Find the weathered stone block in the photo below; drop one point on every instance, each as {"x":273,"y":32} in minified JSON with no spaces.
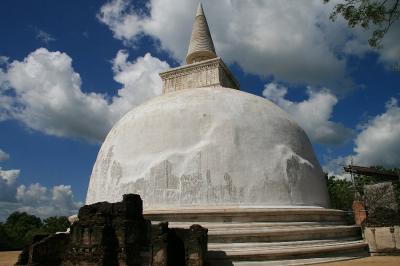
{"x":159,"y":240}
{"x":49,"y":251}
{"x":192,"y":244}
{"x":381,"y":204}
{"x":23,"y":258}
{"x":380,"y":195}
{"x":383,"y":239}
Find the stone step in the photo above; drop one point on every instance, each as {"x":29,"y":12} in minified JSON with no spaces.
{"x":252,"y":236}
{"x":247,"y":214}
{"x":283,"y":234}
{"x":212,"y":226}
{"x":314,"y":250}
{"x":284,"y":244}
{"x":295,"y":262}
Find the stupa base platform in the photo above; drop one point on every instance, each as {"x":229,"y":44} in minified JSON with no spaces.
{"x":271,"y":236}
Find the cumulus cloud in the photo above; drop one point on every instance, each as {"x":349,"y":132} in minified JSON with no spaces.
{"x":43,"y":36}
{"x":391,"y":52}
{"x":48,"y":97}
{"x":44,"y":92}
{"x":123,"y":24}
{"x":139,"y":78}
{"x":35,"y":198}
{"x":3,"y":155}
{"x":3,"y":60}
{"x":8,"y":184}
{"x":9,"y":176}
{"x":357,"y":44}
{"x":335,"y":166}
{"x":293,"y":41}
{"x":313,"y":114}
{"x":377,"y":143}
{"x":39,"y":200}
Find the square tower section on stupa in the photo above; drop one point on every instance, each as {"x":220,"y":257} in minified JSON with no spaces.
{"x":204,"y":68}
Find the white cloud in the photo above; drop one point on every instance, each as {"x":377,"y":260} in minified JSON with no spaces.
{"x":9,"y":176}
{"x":43,"y":36}
{"x":292,"y":40}
{"x":33,"y":195}
{"x":3,"y":60}
{"x":6,"y":208}
{"x":63,"y":198}
{"x":8,"y":184}
{"x":390,"y":53}
{"x":35,"y":198}
{"x":139,"y":78}
{"x":313,"y":114}
{"x":124,"y":26}
{"x":39,"y":200}
{"x":48,"y":95}
{"x":5,"y":98}
{"x":379,"y":140}
{"x":49,"y":99}
{"x":3,"y":155}
{"x":254,"y":34}
{"x":356,"y":43}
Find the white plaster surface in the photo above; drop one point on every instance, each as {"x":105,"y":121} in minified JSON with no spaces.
{"x":208,"y":147}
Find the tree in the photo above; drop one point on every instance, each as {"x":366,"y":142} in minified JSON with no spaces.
{"x":56,"y":224}
{"x":17,"y":226}
{"x":20,"y":228}
{"x":4,"y":238}
{"x":361,"y":180}
{"x":341,"y":192}
{"x":381,"y":13}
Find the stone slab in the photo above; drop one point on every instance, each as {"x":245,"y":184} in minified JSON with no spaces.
{"x":383,"y":239}
{"x":380,"y":195}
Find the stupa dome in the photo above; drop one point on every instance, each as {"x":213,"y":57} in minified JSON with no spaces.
{"x":210,"y":146}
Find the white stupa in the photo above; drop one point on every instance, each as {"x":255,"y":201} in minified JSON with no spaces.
{"x":206,"y":153}
{"x":205,"y":143}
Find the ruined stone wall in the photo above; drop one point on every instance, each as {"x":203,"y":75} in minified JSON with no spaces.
{"x":117,"y":234}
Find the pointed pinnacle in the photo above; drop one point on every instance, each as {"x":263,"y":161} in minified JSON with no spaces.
{"x":200,"y":11}
{"x":201,"y":46}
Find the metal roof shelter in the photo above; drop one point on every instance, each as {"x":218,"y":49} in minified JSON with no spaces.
{"x":368,"y":171}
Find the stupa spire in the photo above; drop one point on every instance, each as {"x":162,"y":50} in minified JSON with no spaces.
{"x":204,"y":68}
{"x":201,"y":46}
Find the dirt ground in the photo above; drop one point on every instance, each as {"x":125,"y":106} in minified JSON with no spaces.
{"x":8,"y":258}
{"x":369,"y":261}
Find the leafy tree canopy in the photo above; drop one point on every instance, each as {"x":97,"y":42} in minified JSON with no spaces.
{"x":20,"y":228}
{"x":381,"y":13}
{"x":56,"y":224}
{"x":343,"y":192}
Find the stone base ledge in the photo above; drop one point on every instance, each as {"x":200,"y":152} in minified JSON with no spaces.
{"x":383,"y":240}
{"x":245,"y":214}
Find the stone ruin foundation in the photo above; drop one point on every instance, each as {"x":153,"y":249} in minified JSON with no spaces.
{"x":117,"y":234}
{"x":380,"y":200}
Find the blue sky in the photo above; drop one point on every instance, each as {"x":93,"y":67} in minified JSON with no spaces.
{"x":70,"y":69}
